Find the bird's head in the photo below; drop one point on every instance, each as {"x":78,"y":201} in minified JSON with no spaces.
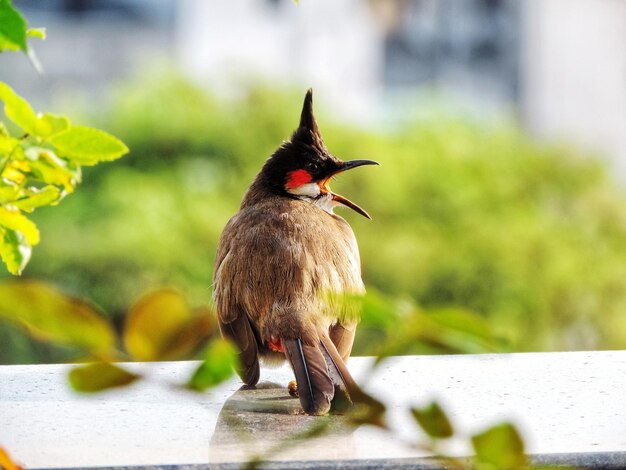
{"x":302,"y":167}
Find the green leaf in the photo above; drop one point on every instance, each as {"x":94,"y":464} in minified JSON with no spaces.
{"x":12,"y":28}
{"x":39,"y":33}
{"x":100,"y":376}
{"x":433,"y":420}
{"x":500,"y":446}
{"x":14,"y":220}
{"x":52,"y":316}
{"x":161,"y":326}
{"x":15,"y":251}
{"x":34,"y":197}
{"x":217,"y":367}
{"x":88,"y":146}
{"x":18,"y":110}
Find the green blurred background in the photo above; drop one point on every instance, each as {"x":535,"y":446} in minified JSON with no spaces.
{"x":466,"y":214}
{"x":532,"y":237}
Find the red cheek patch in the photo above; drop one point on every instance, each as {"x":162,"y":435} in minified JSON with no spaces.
{"x":297,"y":178}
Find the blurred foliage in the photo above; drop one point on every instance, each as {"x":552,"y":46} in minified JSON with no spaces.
{"x":466,"y":218}
{"x":98,"y":376}
{"x":500,"y":447}
{"x":159,"y":326}
{"x":433,"y":420}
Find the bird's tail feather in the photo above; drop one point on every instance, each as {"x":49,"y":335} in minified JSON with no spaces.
{"x":351,"y":392}
{"x":315,"y":386}
{"x":339,"y":372}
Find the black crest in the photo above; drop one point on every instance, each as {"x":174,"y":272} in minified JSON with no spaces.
{"x":308,"y":131}
{"x":307,"y":118}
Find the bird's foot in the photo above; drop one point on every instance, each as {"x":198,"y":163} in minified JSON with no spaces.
{"x":292,"y":387}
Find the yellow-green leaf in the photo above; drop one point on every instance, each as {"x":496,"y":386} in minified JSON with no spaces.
{"x":217,"y":366}
{"x":51,"y":124}
{"x":7,"y":144}
{"x":39,"y":33}
{"x":18,"y":110}
{"x":88,"y":146}
{"x":152,"y":321}
{"x":100,"y":376}
{"x":14,"y":220}
{"x":9,"y":192}
{"x":52,"y":316}
{"x":14,"y":250}
{"x":14,"y":173}
{"x":500,"y":446}
{"x":433,"y":420}
{"x":34,"y":197}
{"x":45,"y":166}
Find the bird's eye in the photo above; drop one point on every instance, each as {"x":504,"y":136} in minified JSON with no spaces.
{"x":312,"y":167}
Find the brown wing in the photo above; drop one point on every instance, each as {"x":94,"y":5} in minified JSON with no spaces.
{"x":233,"y":322}
{"x":237,"y":328}
{"x":342,"y":337}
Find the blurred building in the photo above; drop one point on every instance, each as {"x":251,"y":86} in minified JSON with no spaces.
{"x":573,"y":73}
{"x":558,"y":64}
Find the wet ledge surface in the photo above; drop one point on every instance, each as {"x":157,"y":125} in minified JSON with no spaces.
{"x":570,"y":408}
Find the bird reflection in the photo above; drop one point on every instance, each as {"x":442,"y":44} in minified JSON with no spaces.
{"x":266,"y":423}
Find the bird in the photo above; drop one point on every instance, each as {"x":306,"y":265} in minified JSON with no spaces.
{"x":284,"y":261}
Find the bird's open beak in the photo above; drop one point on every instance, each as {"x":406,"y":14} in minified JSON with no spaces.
{"x":342,"y":200}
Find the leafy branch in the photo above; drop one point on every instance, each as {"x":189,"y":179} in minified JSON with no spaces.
{"x":40,"y":161}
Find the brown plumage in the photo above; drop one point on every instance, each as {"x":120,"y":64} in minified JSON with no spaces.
{"x":283,"y":262}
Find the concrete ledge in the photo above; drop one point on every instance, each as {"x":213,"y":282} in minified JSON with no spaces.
{"x":616,"y":461}
{"x":570,"y":408}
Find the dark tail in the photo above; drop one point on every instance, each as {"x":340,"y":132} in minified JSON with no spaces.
{"x":315,"y":387}
{"x":339,"y":372}
{"x":351,"y":393}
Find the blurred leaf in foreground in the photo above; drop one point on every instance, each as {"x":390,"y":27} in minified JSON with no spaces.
{"x":433,"y":420}
{"x":162,"y":326}
{"x":218,"y":366}
{"x":501,"y":447}
{"x":402,"y":328}
{"x":6,"y":462}
{"x":100,"y":376}
{"x":52,"y":316}
{"x":367,"y":410}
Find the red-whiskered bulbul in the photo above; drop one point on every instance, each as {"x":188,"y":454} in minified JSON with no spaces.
{"x":280,"y":257}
